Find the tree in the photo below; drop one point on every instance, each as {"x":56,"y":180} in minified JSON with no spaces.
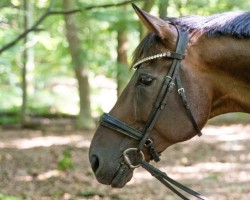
{"x":163,"y":5}
{"x":81,"y":72}
{"x":28,"y":62}
{"x":105,"y":22}
{"x":122,"y":60}
{"x":122,"y":50}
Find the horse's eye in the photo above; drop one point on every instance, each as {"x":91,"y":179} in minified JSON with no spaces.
{"x":145,"y":80}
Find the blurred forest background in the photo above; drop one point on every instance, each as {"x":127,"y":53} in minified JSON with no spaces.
{"x":69,"y":60}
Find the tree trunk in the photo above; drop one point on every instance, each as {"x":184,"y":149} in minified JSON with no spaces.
{"x":28,"y":63}
{"x":122,"y":61}
{"x":84,"y":121}
{"x":163,"y":5}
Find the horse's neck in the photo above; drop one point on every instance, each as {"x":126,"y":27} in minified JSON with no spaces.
{"x":227,"y":63}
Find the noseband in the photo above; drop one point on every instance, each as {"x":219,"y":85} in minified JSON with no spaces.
{"x":171,"y":78}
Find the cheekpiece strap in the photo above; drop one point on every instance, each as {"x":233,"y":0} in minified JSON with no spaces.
{"x":168,"y":54}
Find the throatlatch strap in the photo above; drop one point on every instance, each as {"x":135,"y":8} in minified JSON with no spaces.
{"x":182,"y":93}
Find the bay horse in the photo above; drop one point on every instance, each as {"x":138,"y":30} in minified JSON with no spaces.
{"x":188,"y":70}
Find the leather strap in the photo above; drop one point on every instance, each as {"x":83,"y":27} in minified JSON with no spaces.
{"x":166,"y":88}
{"x":169,"y":182}
{"x":165,"y":91}
{"x":183,"y":95}
{"x":112,"y":123}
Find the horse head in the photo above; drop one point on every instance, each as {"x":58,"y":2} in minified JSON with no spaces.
{"x":142,"y":98}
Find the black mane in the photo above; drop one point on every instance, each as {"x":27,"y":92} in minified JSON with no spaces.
{"x":235,"y":24}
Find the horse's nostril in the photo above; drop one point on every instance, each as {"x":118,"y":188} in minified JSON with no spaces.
{"x":94,"y":163}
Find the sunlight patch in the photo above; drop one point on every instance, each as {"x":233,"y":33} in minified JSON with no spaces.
{"x":43,"y":176}
{"x":46,"y":141}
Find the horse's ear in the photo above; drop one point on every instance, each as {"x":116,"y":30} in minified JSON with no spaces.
{"x":156,"y":25}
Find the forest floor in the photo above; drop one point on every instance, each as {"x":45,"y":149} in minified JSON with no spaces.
{"x":216,"y":165}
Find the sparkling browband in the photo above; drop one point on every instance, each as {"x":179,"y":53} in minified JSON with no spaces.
{"x":168,"y":54}
{"x":160,"y":55}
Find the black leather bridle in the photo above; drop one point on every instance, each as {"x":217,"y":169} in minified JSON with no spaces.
{"x":171,"y":78}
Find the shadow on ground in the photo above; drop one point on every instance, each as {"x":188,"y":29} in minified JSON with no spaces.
{"x":216,"y":165}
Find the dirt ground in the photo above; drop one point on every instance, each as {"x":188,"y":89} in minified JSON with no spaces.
{"x":216,"y":165}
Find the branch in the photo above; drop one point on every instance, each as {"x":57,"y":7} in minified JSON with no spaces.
{"x":64,"y":12}
{"x":111,"y":5}
{"x":32,"y":28}
{"x":50,"y":12}
{"x":94,"y":7}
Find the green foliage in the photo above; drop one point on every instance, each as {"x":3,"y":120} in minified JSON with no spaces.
{"x":98,"y":34}
{"x":204,"y":7}
{"x":9,"y":118}
{"x":8,"y":197}
{"x":90,"y":192}
{"x":65,"y":163}
{"x":214,"y":176}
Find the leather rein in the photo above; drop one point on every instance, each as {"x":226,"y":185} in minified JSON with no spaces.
{"x":171,"y":78}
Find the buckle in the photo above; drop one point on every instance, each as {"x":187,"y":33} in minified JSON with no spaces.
{"x":181,"y":90}
{"x":128,"y":160}
{"x":154,"y":154}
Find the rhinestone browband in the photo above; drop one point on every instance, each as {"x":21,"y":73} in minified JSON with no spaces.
{"x":160,"y":55}
{"x":169,"y":54}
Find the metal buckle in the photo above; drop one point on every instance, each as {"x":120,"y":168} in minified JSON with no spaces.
{"x":149,"y":142}
{"x":154,"y":154}
{"x":169,"y":77}
{"x":127,"y":159}
{"x":181,"y":90}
